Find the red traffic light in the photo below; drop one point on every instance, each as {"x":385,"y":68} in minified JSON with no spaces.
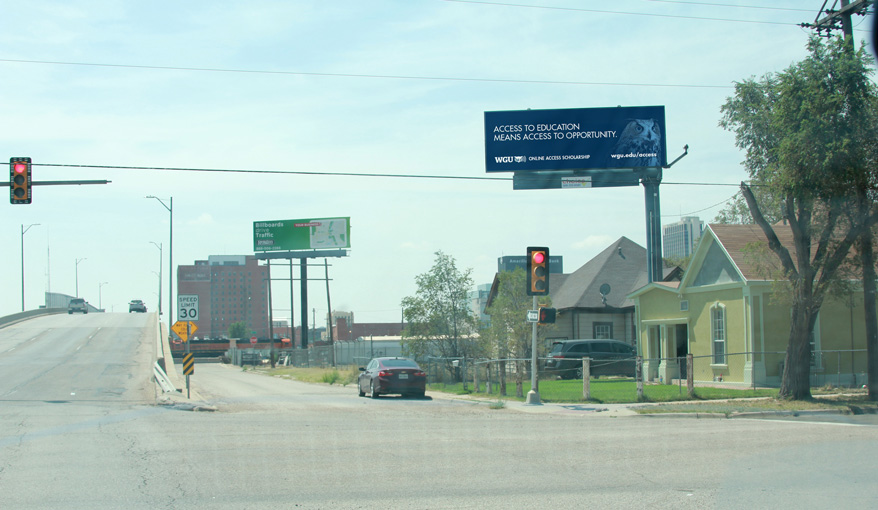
{"x":19,"y":180}
{"x":537,"y":271}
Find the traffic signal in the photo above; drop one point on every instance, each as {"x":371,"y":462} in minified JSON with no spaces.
{"x":547,"y":316}
{"x":537,"y":271}
{"x":19,"y":180}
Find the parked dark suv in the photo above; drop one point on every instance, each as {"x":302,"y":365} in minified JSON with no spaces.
{"x":608,"y":357}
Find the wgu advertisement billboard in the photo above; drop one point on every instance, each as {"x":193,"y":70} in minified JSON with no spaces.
{"x":575,"y":139}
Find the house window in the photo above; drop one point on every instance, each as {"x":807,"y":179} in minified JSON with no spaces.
{"x":718,"y":333}
{"x":602,"y":330}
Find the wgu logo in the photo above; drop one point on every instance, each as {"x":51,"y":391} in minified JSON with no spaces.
{"x":510,"y":159}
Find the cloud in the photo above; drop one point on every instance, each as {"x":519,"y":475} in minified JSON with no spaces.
{"x":204,"y":219}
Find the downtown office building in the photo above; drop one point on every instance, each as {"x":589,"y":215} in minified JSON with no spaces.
{"x":230,"y":289}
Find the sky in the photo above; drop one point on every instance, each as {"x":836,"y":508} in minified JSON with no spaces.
{"x":315,"y":87}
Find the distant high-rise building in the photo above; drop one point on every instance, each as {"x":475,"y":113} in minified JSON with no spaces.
{"x":679,"y":239}
{"x":230,"y":288}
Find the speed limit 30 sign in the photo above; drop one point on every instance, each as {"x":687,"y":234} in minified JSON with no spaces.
{"x":187,"y":307}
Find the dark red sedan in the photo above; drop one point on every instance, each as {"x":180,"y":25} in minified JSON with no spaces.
{"x":392,"y":375}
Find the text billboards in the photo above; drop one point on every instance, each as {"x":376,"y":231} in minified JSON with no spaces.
{"x":575,"y":139}
{"x":302,"y":234}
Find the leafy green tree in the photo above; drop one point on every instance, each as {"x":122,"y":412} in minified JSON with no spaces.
{"x":805,"y":131}
{"x":509,"y":334}
{"x":737,"y":212}
{"x":439,"y":319}
{"x":238,"y":330}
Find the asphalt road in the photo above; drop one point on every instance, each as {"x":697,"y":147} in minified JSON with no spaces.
{"x":78,"y":429}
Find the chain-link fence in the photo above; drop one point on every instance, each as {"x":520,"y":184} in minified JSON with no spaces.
{"x":840,"y":368}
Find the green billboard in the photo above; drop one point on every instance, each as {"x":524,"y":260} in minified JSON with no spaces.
{"x":303,"y":234}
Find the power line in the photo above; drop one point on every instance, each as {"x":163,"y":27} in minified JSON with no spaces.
{"x":275,"y":172}
{"x":324,"y":174}
{"x":352,"y":75}
{"x":702,"y":210}
{"x":711,"y":4}
{"x":624,"y":13}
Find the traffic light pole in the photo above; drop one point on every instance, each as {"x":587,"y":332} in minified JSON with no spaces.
{"x":533,"y":396}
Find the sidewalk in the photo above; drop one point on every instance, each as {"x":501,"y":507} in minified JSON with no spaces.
{"x":611,"y":410}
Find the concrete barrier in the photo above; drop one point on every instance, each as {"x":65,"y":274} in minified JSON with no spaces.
{"x":164,"y":358}
{"x":29,"y":314}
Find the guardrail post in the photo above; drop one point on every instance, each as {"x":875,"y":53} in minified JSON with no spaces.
{"x":586,"y":378}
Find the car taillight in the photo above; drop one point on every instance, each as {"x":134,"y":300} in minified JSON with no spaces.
{"x":385,"y":373}
{"x":420,"y":374}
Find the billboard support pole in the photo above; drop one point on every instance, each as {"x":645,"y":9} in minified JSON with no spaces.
{"x":303,"y":274}
{"x":651,"y":180}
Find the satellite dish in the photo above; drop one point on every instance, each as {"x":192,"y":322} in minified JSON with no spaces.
{"x":605,"y":289}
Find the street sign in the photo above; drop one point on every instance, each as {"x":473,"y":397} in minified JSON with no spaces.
{"x":187,"y":307}
{"x":188,"y":363}
{"x":533,"y":316}
{"x":253,"y":340}
{"x":180,"y":328}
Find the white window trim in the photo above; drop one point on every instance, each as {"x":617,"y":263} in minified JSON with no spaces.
{"x":713,"y":341}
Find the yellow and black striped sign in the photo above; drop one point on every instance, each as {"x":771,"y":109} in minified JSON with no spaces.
{"x":188,"y":364}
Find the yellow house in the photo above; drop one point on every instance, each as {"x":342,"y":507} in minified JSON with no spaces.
{"x":725,"y":314}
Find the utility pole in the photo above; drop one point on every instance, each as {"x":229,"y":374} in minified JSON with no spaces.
{"x":839,"y":19}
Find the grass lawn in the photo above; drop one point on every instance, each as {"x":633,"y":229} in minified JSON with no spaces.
{"x":611,"y":391}
{"x":668,"y":398}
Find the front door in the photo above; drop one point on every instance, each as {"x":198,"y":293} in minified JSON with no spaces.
{"x":682,"y":338}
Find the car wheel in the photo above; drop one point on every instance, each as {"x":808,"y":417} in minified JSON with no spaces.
{"x":360,"y":390}
{"x":373,"y":392}
{"x":578,"y":373}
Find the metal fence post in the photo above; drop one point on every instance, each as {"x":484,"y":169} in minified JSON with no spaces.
{"x":488,"y":389}
{"x":476,"y":377}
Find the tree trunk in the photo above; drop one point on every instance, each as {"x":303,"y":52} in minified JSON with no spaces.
{"x":796,"y":381}
{"x":868,"y":260}
{"x":519,"y":388}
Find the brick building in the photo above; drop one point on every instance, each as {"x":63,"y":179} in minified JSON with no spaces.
{"x":230,"y":288}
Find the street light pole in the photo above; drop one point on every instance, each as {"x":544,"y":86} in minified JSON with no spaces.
{"x":100,"y":303}
{"x":170,"y":209}
{"x":23,"y":230}
{"x":77,"y":275}
{"x":159,"y":246}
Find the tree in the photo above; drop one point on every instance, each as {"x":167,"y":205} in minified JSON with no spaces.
{"x":509,"y":333}
{"x":805,"y":131}
{"x":736,"y":211}
{"x":439,"y":318}
{"x":237,"y":330}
